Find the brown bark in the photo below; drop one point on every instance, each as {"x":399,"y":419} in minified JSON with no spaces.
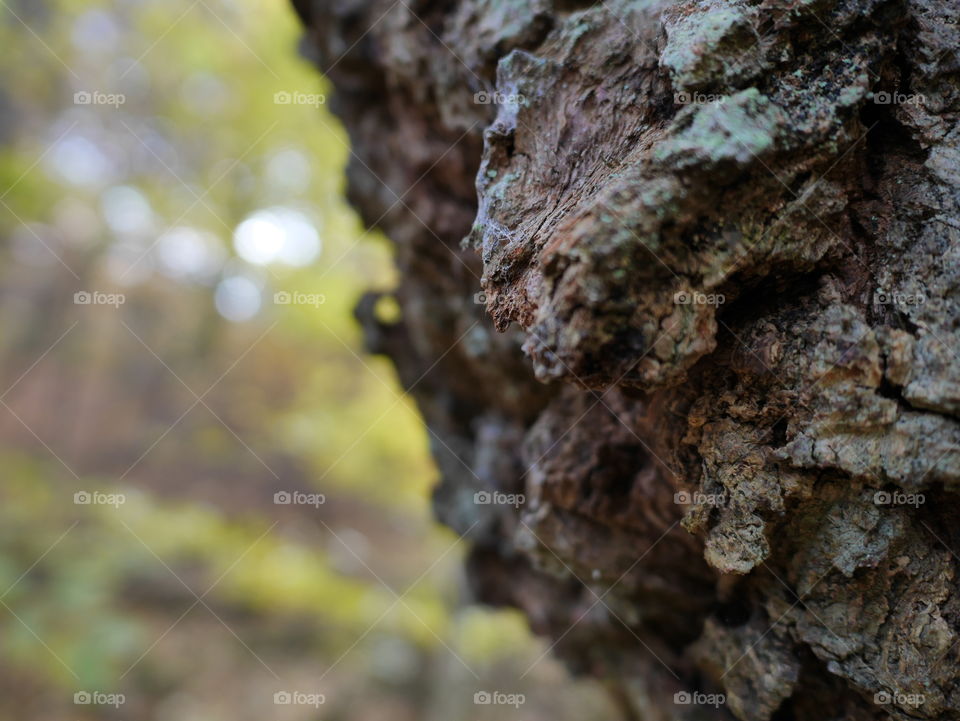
{"x":724,"y":237}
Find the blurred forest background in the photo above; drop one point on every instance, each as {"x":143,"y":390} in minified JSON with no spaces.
{"x":178,"y":157}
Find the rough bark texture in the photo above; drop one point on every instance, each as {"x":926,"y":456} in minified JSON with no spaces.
{"x":726,"y":275}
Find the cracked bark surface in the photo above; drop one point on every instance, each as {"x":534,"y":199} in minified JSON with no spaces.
{"x":716,"y":249}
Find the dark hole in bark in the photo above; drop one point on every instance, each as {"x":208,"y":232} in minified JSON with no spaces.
{"x":778,"y":435}
{"x":617,"y":466}
{"x":567,"y":6}
{"x":733,"y":613}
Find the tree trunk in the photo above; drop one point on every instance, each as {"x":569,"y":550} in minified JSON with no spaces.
{"x":714,"y":446}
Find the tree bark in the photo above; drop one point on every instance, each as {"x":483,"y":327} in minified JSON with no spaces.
{"x":720,"y":242}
